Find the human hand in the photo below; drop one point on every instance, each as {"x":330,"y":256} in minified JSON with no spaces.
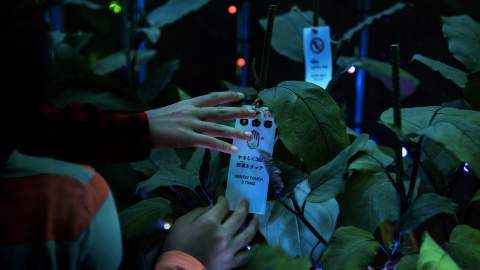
{"x":202,"y":234}
{"x":191,"y":123}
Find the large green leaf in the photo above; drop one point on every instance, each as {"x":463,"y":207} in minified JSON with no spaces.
{"x":309,"y":121}
{"x":433,"y":257}
{"x":56,"y":38}
{"x":283,"y":229}
{"x":271,"y":258}
{"x":118,"y":60}
{"x":370,"y":159}
{"x":327,"y":181}
{"x":444,"y":160}
{"x":424,"y":207}
{"x":152,"y":33}
{"x":459,"y":77}
{"x":143,"y":217}
{"x":368,"y":201}
{"x":464,"y":247}
{"x":456,"y":130}
{"x":463,"y":35}
{"x":287,"y":38}
{"x":76,"y":40}
{"x":383,"y":72}
{"x":371,"y":19}
{"x":158,"y":80}
{"x":173,"y":174}
{"x":173,"y":11}
{"x":408,"y":262}
{"x":437,"y":165}
{"x":350,"y":248}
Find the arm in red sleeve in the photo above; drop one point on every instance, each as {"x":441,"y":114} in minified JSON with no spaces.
{"x":86,"y":134}
{"x":177,"y":260}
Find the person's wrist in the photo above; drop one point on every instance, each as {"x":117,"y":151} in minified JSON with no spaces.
{"x":179,"y":258}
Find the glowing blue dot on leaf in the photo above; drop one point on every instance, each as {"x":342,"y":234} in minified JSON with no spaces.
{"x":466,"y":169}
{"x":164,"y":225}
{"x":351,"y":70}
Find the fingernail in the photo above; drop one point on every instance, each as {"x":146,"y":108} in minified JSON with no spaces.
{"x":248,"y":134}
{"x":241,"y":95}
{"x":252,"y":111}
{"x":234,"y":148}
{"x":244,"y":203}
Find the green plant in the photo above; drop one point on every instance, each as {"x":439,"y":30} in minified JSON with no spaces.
{"x":347,"y":202}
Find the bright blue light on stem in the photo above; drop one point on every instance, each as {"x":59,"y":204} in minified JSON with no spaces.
{"x":466,"y":168}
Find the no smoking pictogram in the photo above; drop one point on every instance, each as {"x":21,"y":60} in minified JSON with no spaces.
{"x":317,"y":45}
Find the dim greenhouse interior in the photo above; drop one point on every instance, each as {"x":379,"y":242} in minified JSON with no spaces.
{"x":240,"y":134}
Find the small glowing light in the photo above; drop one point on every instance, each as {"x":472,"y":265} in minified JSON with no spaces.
{"x":404,"y":152}
{"x":232,"y":9}
{"x":167,"y":226}
{"x":241,"y":62}
{"x":164,"y":225}
{"x":248,"y":247}
{"x":466,"y":168}
{"x":351,"y":70}
{"x":115,"y":7}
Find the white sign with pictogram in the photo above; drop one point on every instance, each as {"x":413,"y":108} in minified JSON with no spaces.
{"x":318,"y":55}
{"x":247,"y":175}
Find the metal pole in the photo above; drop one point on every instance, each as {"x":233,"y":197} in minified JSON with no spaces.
{"x":142,"y":69}
{"x":243,"y":36}
{"x":56,"y":18}
{"x":361,"y":75}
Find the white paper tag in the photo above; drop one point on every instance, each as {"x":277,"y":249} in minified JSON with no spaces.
{"x":247,"y":175}
{"x":318,"y":55}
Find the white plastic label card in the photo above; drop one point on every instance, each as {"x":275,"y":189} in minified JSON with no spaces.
{"x":318,"y":55}
{"x":247,"y":175}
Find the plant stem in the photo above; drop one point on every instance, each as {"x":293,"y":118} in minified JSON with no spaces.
{"x":302,"y":218}
{"x":389,"y":176}
{"x":316,"y":7}
{"x":272,"y":9}
{"x":395,"y":60}
{"x":416,"y":166}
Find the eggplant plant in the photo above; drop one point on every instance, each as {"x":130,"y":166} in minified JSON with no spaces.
{"x":346,"y":202}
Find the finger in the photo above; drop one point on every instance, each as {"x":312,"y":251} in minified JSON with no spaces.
{"x":215,"y":114}
{"x":209,"y":142}
{"x":236,"y":220}
{"x":245,"y":237}
{"x":241,"y":258}
{"x":222,"y":131}
{"x":217,"y":98}
{"x":218,"y":212}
